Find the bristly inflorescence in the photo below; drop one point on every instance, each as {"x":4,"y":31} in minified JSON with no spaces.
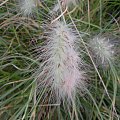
{"x":27,"y":6}
{"x":102,"y":49}
{"x":61,"y":66}
{"x":68,"y":2}
{"x":64,"y":4}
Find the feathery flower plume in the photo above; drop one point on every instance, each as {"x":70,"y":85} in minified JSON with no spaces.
{"x":64,"y":4}
{"x":103,"y":49}
{"x":68,"y":2}
{"x":61,"y":67}
{"x":27,"y":6}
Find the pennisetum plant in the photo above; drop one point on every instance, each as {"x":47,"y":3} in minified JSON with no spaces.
{"x":64,"y":4}
{"x":51,"y":91}
{"x":61,"y":68}
{"x":102,"y":49}
{"x":27,"y":6}
{"x":68,"y":2}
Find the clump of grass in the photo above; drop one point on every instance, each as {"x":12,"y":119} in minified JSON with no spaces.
{"x":21,"y":98}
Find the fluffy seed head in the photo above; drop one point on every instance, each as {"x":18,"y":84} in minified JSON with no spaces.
{"x":64,"y":4}
{"x":102,"y":48}
{"x":62,"y":61}
{"x":68,"y":2}
{"x":27,"y":7}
